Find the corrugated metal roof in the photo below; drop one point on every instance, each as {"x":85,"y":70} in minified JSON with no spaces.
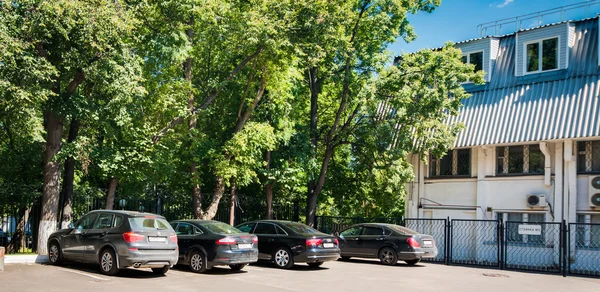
{"x":506,"y":112}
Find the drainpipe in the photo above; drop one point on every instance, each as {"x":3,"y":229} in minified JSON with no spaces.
{"x":548,"y":163}
{"x":570,"y":191}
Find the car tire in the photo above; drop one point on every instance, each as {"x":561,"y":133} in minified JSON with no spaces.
{"x":315,"y":265}
{"x":161,"y":271}
{"x":412,"y":262}
{"x":55,"y":255}
{"x":237,"y":267}
{"x":198,"y":261}
{"x":283,"y":258}
{"x":108,"y":262}
{"x":388,"y":256}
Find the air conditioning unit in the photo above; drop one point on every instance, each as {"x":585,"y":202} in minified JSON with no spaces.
{"x":594,"y":191}
{"x":536,"y":201}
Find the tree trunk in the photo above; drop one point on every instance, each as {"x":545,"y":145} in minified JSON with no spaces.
{"x":269,"y":188}
{"x":218,"y":191}
{"x":110,"y":196}
{"x":18,"y":238}
{"x":232,"y":199}
{"x":50,"y":193}
{"x":69,"y":178}
{"x":315,"y":89}
{"x":311,"y":203}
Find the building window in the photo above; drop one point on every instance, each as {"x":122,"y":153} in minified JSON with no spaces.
{"x":588,"y":231}
{"x":475,"y":59}
{"x":588,"y":156}
{"x":456,"y":162}
{"x":512,"y":227}
{"x":542,"y":55}
{"x":527,"y":159}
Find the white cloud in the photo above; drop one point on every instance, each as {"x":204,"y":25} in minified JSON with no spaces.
{"x":506,"y":2}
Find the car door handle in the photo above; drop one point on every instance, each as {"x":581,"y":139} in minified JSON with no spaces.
{"x":380,"y":238}
{"x":271,"y":239}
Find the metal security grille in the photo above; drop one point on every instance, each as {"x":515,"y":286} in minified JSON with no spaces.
{"x":533,"y":246}
{"x":475,"y":242}
{"x":456,"y":162}
{"x":584,"y":249}
{"x":434,"y":227}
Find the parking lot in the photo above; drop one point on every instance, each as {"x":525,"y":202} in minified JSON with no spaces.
{"x":355,"y":275}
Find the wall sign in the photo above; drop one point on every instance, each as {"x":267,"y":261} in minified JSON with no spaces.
{"x":530,"y":229}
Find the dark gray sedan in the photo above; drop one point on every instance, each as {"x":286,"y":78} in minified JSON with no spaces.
{"x":387,"y":242}
{"x":116,"y":240}
{"x":204,"y":244}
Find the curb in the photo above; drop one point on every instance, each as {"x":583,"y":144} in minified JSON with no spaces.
{"x":25,"y":259}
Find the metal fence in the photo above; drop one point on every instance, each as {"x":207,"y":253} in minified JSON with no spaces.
{"x":548,"y":247}
{"x":475,"y":242}
{"x":438,"y":229}
{"x":584,"y":249}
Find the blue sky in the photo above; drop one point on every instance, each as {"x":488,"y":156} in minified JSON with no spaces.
{"x":457,"y":20}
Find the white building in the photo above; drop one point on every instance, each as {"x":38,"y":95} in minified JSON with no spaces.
{"x":533,"y":129}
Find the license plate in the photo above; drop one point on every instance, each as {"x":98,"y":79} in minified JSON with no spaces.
{"x":327,"y":245}
{"x":244,"y":246}
{"x":156,"y":239}
{"x":427,"y":242}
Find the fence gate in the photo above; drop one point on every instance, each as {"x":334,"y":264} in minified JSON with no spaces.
{"x":475,"y":242}
{"x":584,"y":249}
{"x":533,"y":246}
{"x":434,"y":227}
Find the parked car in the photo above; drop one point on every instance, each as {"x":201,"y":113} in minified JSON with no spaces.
{"x":387,"y":242}
{"x":286,"y":243}
{"x":117,"y":240}
{"x":204,"y":244}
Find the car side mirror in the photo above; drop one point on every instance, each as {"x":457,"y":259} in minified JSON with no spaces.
{"x":336,"y":234}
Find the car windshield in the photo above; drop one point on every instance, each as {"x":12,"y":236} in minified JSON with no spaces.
{"x":402,"y":230}
{"x":221,"y":228}
{"x":141,"y":223}
{"x":299,"y":227}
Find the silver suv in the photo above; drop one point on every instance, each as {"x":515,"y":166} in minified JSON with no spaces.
{"x":117,"y":240}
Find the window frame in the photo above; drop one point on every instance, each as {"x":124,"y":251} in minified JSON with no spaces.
{"x":526,"y":168}
{"x":454,"y":165}
{"x":589,"y":161}
{"x":468,"y":55}
{"x":584,"y":235}
{"x":540,"y":43}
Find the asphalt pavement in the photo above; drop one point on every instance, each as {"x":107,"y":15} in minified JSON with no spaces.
{"x":354,"y":275}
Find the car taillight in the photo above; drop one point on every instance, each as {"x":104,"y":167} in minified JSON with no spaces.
{"x":337,"y":242}
{"x":173,"y":238}
{"x":314,"y":242}
{"x":226,"y":240}
{"x":131,"y":237}
{"x":413,"y":243}
{"x":254,"y":239}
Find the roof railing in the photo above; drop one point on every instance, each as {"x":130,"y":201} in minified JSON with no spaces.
{"x":495,"y":27}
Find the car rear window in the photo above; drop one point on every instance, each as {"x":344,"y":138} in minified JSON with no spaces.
{"x":144,"y":223}
{"x":221,"y":228}
{"x":300,"y":228}
{"x":402,"y":230}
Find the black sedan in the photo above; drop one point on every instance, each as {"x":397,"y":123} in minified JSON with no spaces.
{"x":387,"y":242}
{"x":117,"y":240}
{"x":286,"y":243}
{"x":204,"y":244}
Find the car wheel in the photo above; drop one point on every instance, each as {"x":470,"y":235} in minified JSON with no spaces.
{"x":388,"y":256}
{"x":283,"y":258}
{"x":55,"y":253}
{"x":198,"y":261}
{"x":412,"y":262}
{"x":237,"y":267}
{"x":161,"y":271}
{"x":108,"y":262}
{"x":315,"y":265}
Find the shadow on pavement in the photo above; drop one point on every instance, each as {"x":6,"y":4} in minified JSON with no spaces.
{"x":125,"y":273}
{"x":220,"y":270}
{"x":302,"y":267}
{"x":400,"y":264}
